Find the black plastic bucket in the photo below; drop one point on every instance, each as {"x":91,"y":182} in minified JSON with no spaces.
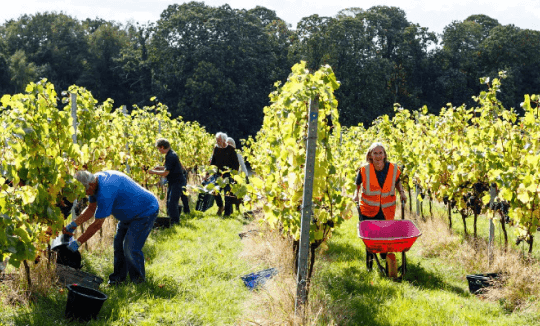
{"x":64,"y":256}
{"x":83,"y":303}
{"x":480,"y":281}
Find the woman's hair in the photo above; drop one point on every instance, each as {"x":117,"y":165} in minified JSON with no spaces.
{"x":222,"y":136}
{"x":164,"y":143}
{"x":85,"y":177}
{"x":369,"y":158}
{"x":231,"y":142}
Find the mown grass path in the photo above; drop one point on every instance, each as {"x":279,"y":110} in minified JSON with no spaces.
{"x":435,"y":291}
{"x":193,"y":278}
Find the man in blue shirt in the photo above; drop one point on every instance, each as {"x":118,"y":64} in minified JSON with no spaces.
{"x":173,"y":171}
{"x":136,"y":209}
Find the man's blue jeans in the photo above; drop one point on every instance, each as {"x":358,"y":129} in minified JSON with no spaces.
{"x":128,"y":243}
{"x":174,"y":190}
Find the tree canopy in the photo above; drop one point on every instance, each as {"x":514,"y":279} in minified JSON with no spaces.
{"x":218,"y":65}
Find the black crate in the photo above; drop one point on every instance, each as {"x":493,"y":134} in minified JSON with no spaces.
{"x":204,"y":202}
{"x":479,"y":281}
{"x":68,"y":275}
{"x":162,"y":222}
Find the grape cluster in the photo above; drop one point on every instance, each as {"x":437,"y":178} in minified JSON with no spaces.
{"x":473,"y":199}
{"x":65,"y":206}
{"x":480,"y":187}
{"x":446,"y":201}
{"x":473,"y":202}
{"x":502,"y":207}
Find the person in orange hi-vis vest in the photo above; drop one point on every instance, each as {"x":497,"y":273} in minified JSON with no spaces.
{"x":379,"y":180}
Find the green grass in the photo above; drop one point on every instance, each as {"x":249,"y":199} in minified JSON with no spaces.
{"x":434,"y":292}
{"x":192,"y":279}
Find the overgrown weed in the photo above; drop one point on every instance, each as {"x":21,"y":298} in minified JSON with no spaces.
{"x":274,"y":303}
{"x":518,"y":286}
{"x":15,"y":288}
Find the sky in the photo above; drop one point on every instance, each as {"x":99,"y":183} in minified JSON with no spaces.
{"x":433,"y":14}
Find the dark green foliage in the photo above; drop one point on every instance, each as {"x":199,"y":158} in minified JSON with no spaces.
{"x":54,"y":43}
{"x":217,"y":65}
{"x":221,"y":64}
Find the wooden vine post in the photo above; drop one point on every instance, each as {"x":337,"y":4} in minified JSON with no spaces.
{"x":418,"y":209}
{"x":73,"y":98}
{"x":128,"y":170}
{"x":492,"y":194}
{"x":303,"y":250}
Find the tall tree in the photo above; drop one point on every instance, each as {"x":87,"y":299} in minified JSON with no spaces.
{"x":134,"y":66}
{"x":4,"y":67}
{"x":21,"y":71}
{"x":103,"y":74}
{"x":377,"y":55}
{"x":460,"y":58}
{"x":54,"y":42}
{"x":511,"y":49}
{"x":214,"y":65}
{"x":314,"y":40}
{"x":281,"y":38}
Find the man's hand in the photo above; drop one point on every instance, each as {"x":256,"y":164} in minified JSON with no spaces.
{"x":159,"y":170}
{"x":73,"y":245}
{"x":70,"y":228}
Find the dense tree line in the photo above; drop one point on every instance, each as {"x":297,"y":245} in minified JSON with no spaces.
{"x":217,"y":65}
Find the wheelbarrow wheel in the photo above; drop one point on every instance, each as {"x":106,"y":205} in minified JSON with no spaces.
{"x":369,"y":261}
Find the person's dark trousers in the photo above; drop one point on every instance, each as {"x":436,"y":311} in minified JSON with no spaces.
{"x":185,"y":200}
{"x":128,"y":243}
{"x":218,"y":199}
{"x":378,"y":217}
{"x":228,"y":201}
{"x":173,"y":198}
{"x":228,"y":205}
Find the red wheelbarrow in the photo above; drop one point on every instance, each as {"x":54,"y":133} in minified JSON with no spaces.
{"x":387,"y":237}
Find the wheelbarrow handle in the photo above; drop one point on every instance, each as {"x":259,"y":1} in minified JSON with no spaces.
{"x":402,"y":208}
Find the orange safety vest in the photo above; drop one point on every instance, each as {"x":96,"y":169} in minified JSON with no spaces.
{"x":374,"y":197}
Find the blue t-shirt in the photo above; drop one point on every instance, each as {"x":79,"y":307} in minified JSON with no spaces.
{"x":120,"y":196}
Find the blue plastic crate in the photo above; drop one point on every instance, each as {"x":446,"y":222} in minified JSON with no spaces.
{"x":254,"y":280}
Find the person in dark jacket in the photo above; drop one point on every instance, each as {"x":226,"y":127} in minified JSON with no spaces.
{"x":173,"y":171}
{"x":224,"y":158}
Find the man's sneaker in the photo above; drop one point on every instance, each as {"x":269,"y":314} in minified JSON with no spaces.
{"x":114,"y":283}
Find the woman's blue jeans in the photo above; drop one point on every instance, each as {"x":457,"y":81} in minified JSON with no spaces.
{"x":128,"y":243}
